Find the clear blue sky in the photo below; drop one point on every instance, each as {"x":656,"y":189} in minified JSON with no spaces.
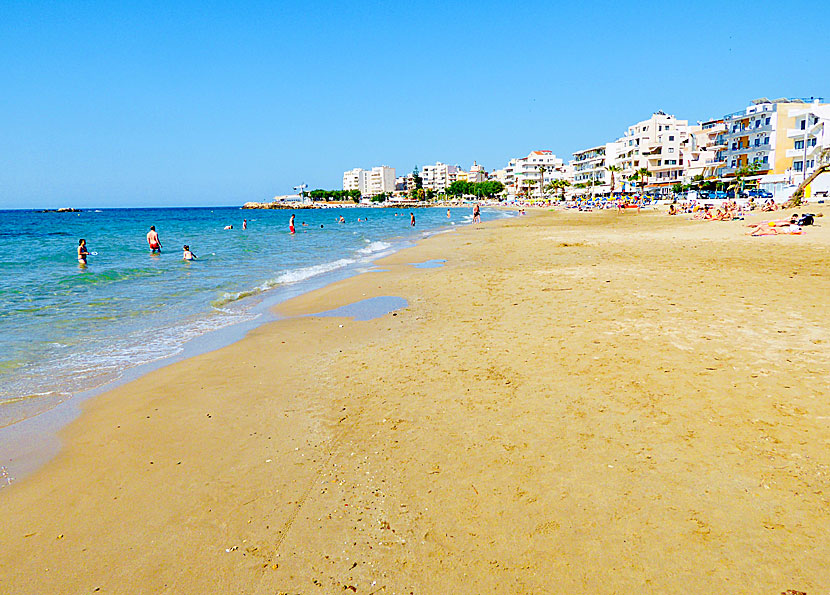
{"x":205,"y":103}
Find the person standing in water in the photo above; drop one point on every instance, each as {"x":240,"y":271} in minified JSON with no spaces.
{"x":82,"y":252}
{"x":448,"y":213}
{"x":412,"y":219}
{"x":244,"y":224}
{"x":291,"y":224}
{"x":153,"y":240}
{"x":476,"y":214}
{"x":187,"y":254}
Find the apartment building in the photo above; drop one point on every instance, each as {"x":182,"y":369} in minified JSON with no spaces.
{"x":524,"y":174}
{"x":766,"y":132}
{"x":811,"y":139}
{"x":370,"y":182}
{"x":590,"y":166}
{"x":701,"y":148}
{"x":439,"y":176}
{"x":654,"y":144}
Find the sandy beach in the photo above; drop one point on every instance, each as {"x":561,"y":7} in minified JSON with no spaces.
{"x":572,"y":403}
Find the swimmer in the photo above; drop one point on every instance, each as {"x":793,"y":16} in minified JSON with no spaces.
{"x":153,"y":240}
{"x":187,"y":254}
{"x":228,"y":227}
{"x":82,"y":252}
{"x":244,"y":224}
{"x":304,"y":224}
{"x":291,"y":224}
{"x":342,"y":219}
{"x":412,"y":219}
{"x":448,"y":213}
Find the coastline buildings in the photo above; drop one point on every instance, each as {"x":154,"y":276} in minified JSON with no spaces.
{"x":783,"y":140}
{"x":370,"y":182}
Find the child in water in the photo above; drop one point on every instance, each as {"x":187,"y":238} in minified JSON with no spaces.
{"x":188,"y":255}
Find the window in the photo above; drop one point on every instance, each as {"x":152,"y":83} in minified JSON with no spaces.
{"x":757,"y":142}
{"x":803,"y":124}
{"x":799,"y":144}
{"x":812,"y":142}
{"x":671,"y":137}
{"x":797,"y":165}
{"x":733,"y":163}
{"x":734,"y":146}
{"x":765,"y":159}
{"x":766,"y":140}
{"x":757,"y":123}
{"x":767,"y":121}
{"x":671,"y":149}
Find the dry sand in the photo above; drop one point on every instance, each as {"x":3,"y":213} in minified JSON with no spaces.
{"x":574,"y":403}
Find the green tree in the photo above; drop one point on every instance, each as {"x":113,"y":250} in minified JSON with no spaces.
{"x":614,"y":169}
{"x":641,"y":176}
{"x":354,"y":195}
{"x":741,"y":173}
{"x":416,"y":175}
{"x":542,"y":169}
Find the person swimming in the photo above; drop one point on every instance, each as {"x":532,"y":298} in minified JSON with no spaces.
{"x":153,"y":240}
{"x":187,"y":254}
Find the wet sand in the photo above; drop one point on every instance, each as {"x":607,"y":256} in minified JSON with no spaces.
{"x":573,"y":402}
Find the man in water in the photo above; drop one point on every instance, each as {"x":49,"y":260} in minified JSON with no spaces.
{"x":291,"y":224}
{"x":448,"y":213}
{"x":187,"y":254}
{"x":412,"y":219}
{"x":476,"y":214}
{"x":82,"y":252}
{"x":153,"y":240}
{"x":244,"y":224}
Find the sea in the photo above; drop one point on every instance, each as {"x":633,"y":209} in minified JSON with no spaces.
{"x":67,"y":329}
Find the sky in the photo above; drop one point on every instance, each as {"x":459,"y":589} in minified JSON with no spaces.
{"x":123,"y":104}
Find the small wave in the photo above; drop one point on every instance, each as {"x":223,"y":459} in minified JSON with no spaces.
{"x":286,"y":278}
{"x":374,"y":247}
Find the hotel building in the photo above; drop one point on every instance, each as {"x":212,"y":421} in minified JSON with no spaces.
{"x":701,"y":148}
{"x":525,"y":173}
{"x":765,"y":133}
{"x":654,"y":144}
{"x":590,"y":166}
{"x":370,"y":182}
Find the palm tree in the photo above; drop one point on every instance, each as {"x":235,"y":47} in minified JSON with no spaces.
{"x":613,"y":169}
{"x":741,"y":173}
{"x":641,"y":176}
{"x":542,"y":169}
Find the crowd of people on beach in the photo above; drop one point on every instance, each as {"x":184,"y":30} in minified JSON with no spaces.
{"x":154,"y":242}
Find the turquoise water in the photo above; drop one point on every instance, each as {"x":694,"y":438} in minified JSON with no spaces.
{"x":67,"y":328}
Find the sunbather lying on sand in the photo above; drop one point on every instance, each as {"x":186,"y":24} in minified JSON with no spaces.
{"x":775,"y":228}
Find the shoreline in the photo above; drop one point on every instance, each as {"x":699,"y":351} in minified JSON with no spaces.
{"x":585,"y":401}
{"x":30,"y":442}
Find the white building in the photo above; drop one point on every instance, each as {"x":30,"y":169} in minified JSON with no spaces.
{"x":654,"y":144}
{"x":439,"y":176}
{"x":370,"y":182}
{"x":590,"y":166}
{"x":524,"y":174}
{"x":701,"y":150}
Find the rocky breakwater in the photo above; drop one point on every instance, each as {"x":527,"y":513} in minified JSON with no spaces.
{"x":276,"y":205}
